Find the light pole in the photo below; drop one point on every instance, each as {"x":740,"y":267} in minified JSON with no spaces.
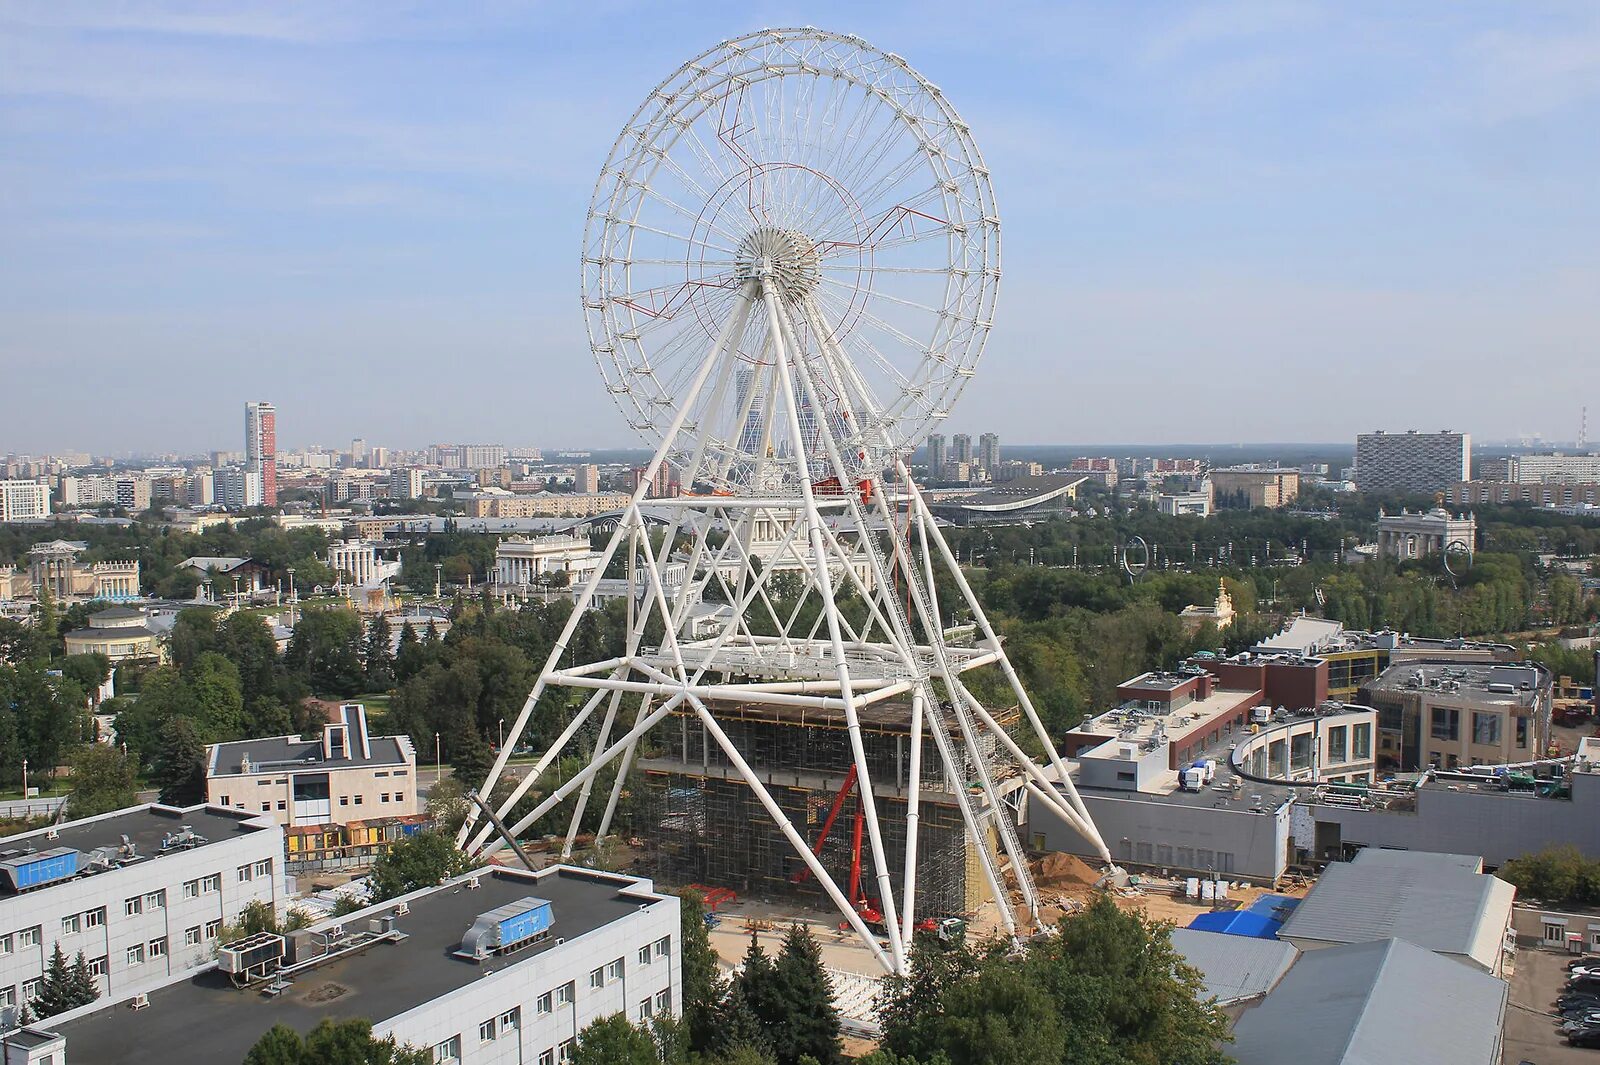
{"x":438,"y":760}
{"x":24,"y":778}
{"x":502,"y":733}
{"x":294,"y":597}
{"x":438,"y":570}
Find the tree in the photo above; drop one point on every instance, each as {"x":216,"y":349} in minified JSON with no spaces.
{"x":378,"y":659}
{"x":702,"y":987}
{"x":418,"y":861}
{"x":471,"y":758}
{"x":326,"y":650}
{"x":331,"y":1042}
{"x":179,"y":769}
{"x":103,"y":779}
{"x":64,"y":986}
{"x":809,"y":1027}
{"x":613,"y":1041}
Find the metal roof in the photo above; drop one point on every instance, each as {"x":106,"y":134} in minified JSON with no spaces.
{"x":1430,"y":900}
{"x":1375,"y":1004}
{"x":1374,"y":856}
{"x":1234,"y":968}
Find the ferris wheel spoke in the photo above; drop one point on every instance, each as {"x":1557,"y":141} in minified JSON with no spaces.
{"x":694,"y":218}
{"x":897,"y":377}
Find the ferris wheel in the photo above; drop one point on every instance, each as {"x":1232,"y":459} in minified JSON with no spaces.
{"x":796,"y":188}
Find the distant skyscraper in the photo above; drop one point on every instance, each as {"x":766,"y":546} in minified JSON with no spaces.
{"x":586,"y":478}
{"x":936,"y":455}
{"x":989,"y":451}
{"x":1412,"y":461}
{"x":961,"y":448}
{"x":358,"y":451}
{"x":261,"y":448}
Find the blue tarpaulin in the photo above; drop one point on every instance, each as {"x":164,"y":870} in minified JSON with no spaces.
{"x":1261,"y":920}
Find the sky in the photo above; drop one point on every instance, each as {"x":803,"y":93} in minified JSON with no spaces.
{"x":1262,"y":220}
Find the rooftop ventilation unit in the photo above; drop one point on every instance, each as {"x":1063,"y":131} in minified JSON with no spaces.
{"x":184,"y":839}
{"x":26,"y":870}
{"x":507,"y":928}
{"x":253,"y":956}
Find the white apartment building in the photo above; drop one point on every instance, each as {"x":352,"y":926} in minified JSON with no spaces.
{"x":142,"y":892}
{"x":236,"y":487}
{"x":428,"y":969}
{"x":1412,"y":461}
{"x":344,"y":775}
{"x":24,"y":500}
{"x":406,"y":483}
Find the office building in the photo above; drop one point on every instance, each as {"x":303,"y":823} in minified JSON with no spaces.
{"x":1552,"y":467}
{"x":24,"y":501}
{"x":1450,"y":714}
{"x":1254,"y":486}
{"x":938,"y":456}
{"x":1408,"y":535}
{"x":1538,"y":493}
{"x":1412,"y":461}
{"x":989,"y":451}
{"x":495,"y":967}
{"x":343,"y":775}
{"x":261,"y":450}
{"x":237,"y":487}
{"x":1195,"y":504}
{"x":142,"y":892}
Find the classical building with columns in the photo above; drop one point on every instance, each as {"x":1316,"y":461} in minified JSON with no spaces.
{"x":54,"y":565}
{"x":1414,"y":534}
{"x":357,"y":563}
{"x":522,"y":562}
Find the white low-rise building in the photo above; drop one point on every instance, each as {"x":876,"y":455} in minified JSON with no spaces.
{"x":575,"y":945}
{"x":143,"y":893}
{"x":523,"y":562}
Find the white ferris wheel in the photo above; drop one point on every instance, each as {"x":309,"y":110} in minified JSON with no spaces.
{"x":789,"y":270}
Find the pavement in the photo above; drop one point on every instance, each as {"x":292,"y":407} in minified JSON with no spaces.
{"x":1532,"y":1033}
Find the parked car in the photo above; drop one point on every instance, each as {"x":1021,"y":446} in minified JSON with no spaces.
{"x":1581,"y":1013}
{"x":1570,"y":999}
{"x":1580,"y":1024}
{"x":1583,"y":959}
{"x":1586,"y":1037}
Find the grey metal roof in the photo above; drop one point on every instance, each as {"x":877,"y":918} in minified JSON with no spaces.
{"x":1375,"y":1004}
{"x":1235,"y":968}
{"x":1373,"y":856}
{"x":1430,"y":900}
{"x":292,"y":752}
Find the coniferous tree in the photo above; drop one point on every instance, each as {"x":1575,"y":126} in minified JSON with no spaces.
{"x":55,"y":988}
{"x":81,"y":986}
{"x":179,"y":769}
{"x":702,"y":988}
{"x":810,"y":1023}
{"x":378,"y":658}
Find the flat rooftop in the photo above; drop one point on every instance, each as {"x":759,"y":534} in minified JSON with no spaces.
{"x":1159,"y":682}
{"x":1130,"y":724}
{"x":144,"y":826}
{"x":206,"y":1019}
{"x":285,"y":753}
{"x":1484,"y":682}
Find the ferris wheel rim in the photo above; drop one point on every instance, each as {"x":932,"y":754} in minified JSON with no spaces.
{"x":922,"y":397}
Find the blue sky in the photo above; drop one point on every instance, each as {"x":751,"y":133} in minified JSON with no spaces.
{"x":1256,"y":220}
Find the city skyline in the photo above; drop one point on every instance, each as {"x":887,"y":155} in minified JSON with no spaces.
{"x":381,"y":209}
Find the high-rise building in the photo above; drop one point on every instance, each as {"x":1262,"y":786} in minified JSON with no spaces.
{"x":586,"y":479}
{"x":237,"y":487}
{"x":377,"y":458}
{"x":406,"y":483}
{"x":1412,"y":461}
{"x":24,"y":500}
{"x":961,"y":448}
{"x":989,"y":451}
{"x":261,"y":448}
{"x":358,"y":451}
{"x":936,"y":456}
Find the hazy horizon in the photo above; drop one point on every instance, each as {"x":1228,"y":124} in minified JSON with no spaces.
{"x":1263,"y":218}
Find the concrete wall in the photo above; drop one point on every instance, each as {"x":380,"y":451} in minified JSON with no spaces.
{"x":1498,"y":825}
{"x":1174,"y":835}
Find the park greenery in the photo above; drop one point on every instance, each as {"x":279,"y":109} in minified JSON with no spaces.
{"x":346,"y":1042}
{"x":1560,"y":875}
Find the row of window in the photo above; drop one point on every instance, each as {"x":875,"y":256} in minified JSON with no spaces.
{"x":261,"y":869}
{"x":76,"y":922}
{"x":205,"y":885}
{"x":27,"y":937}
{"x":495,"y":1027}
{"x":139,"y":952}
{"x":149,"y":902}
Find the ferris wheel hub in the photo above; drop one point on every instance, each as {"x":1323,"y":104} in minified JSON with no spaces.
{"x":785,"y":260}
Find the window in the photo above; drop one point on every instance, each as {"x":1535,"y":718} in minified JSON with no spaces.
{"x":380,"y":773}
{"x":449,"y":1050}
{"x":646,"y":1009}
{"x":28,"y":937}
{"x":282,"y":805}
{"x":1338,"y":748}
{"x":597,"y":978}
{"x":564,"y":1050}
{"x":212,"y":883}
{"x":663,"y":946}
{"x":70,"y":924}
{"x":1522,"y":732}
{"x":566,"y":993}
{"x":1361,"y":737}
{"x":31,"y":989}
{"x":264,"y":867}
{"x":344,"y":800}
{"x":8,"y":996}
{"x":1446,"y":723}
{"x":136,"y":954}
{"x":358,"y":800}
{"x":95,"y":918}
{"x":191,"y":889}
{"x":156,"y":900}
{"x":191,"y":936}
{"x":8,"y":944}
{"x":547,"y":1057}
{"x":402,"y":772}
{"x":511,"y":1018}
{"x":245,"y":874}
{"x":486,"y":1031}
{"x":266,"y":807}
{"x":644,"y":955}
{"x":213,"y":929}
{"x":223,"y":799}
{"x":1485,"y":728}
{"x":133,"y":907}
{"x":663,"y":1001}
{"x":97,"y":966}
{"x":614,"y":970}
{"x":543,"y":1005}
{"x":158,"y":947}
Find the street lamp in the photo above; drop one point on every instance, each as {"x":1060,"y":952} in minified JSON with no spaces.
{"x":438,"y":570}
{"x":24,"y":778}
{"x":438,"y":760}
{"x":502,"y":733}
